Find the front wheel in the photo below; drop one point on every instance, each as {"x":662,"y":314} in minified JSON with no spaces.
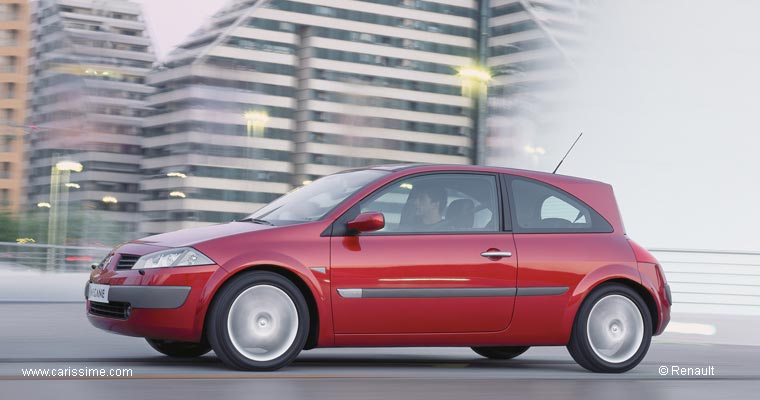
{"x":176,"y":349}
{"x":501,"y":353}
{"x":612,"y":330}
{"x":258,"y":322}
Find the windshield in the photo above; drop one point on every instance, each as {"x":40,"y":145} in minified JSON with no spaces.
{"x":313,"y":201}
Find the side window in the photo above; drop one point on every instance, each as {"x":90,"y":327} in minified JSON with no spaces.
{"x":541,"y":208}
{"x":438,"y":203}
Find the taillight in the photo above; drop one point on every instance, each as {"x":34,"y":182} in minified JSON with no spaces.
{"x":664,"y":283}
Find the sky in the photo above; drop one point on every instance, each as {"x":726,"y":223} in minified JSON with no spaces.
{"x":668,"y":103}
{"x":171,"y":21}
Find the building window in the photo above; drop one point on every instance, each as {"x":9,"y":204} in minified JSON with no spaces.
{"x":5,"y":170}
{"x":8,"y":90}
{"x":7,"y":64}
{"x":9,"y":12}
{"x":6,"y":144}
{"x":5,"y":197}
{"x":7,"y":114}
{"x":8,"y":37}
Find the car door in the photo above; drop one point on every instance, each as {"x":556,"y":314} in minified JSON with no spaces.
{"x":456,"y":275}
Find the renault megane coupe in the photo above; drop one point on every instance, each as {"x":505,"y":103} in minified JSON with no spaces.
{"x":412,"y":255}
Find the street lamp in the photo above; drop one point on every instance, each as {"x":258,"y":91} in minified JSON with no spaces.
{"x":69,"y":166}
{"x":475,"y":79}
{"x":60,"y":176}
{"x":256,"y":121}
{"x":535,"y":150}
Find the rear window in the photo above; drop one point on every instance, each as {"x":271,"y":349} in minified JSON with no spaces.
{"x":542,"y":208}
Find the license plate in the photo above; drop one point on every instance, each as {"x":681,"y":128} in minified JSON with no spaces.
{"x":98,"y":293}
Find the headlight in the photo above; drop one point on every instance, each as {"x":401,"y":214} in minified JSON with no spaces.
{"x":182,"y":257}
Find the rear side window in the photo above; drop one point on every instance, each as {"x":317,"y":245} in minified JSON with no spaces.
{"x":541,"y":208}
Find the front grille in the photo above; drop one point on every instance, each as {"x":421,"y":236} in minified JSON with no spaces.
{"x":126,"y":261}
{"x":110,"y":310}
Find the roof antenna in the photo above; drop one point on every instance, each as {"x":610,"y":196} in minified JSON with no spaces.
{"x":568,"y":152}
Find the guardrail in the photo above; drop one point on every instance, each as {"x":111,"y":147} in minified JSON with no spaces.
{"x":51,"y":258}
{"x":712,"y":281}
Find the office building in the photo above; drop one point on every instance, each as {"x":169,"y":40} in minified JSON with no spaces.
{"x":86,"y":107}
{"x":14,"y":47}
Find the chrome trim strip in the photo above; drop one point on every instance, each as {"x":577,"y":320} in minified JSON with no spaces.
{"x":429,"y":293}
{"x":542,"y":291}
{"x":350,"y":293}
{"x":426,"y":293}
{"x":496,"y":254}
{"x":321,"y":270}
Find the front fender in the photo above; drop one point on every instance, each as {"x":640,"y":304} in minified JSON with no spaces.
{"x":255,"y":258}
{"x":263,"y":258}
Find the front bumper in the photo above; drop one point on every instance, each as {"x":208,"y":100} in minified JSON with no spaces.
{"x":166,"y":303}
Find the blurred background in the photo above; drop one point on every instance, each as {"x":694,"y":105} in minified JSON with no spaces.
{"x":122,"y":118}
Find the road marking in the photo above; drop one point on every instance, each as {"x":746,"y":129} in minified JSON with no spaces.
{"x":691,"y":328}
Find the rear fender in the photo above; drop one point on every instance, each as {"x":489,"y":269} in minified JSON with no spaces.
{"x":591,"y":281}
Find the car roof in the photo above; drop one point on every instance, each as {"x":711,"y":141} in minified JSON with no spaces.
{"x":542,"y":176}
{"x":598,"y":195}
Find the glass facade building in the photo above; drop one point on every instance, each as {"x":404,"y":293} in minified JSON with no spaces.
{"x":269,"y":95}
{"x":87,"y":97}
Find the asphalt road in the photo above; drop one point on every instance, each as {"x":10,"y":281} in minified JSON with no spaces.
{"x":59,"y":336}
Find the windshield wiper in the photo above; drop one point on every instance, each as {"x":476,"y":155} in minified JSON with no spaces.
{"x":257,"y":221}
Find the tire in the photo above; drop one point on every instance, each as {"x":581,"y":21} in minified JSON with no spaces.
{"x":500,"y":353}
{"x":175,"y":349}
{"x":279,"y":331}
{"x":612,"y":330}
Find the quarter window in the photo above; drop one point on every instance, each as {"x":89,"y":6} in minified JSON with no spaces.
{"x":540,"y":208}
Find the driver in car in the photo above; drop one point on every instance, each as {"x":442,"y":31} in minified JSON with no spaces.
{"x":429,"y":205}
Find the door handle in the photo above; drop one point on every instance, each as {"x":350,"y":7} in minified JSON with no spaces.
{"x":496,"y":254}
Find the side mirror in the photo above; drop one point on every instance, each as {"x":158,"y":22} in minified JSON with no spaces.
{"x":367,"y":222}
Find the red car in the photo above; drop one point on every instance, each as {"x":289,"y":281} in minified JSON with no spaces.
{"x":413,"y":255}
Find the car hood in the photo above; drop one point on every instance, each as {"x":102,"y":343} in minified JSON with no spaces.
{"x":191,"y":236}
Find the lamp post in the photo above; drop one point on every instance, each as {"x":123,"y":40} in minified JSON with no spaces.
{"x":60,"y":177}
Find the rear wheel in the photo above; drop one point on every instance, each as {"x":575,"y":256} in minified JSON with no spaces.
{"x":176,"y":349}
{"x":258,"y":322}
{"x":612,"y":330}
{"x":501,"y":353}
